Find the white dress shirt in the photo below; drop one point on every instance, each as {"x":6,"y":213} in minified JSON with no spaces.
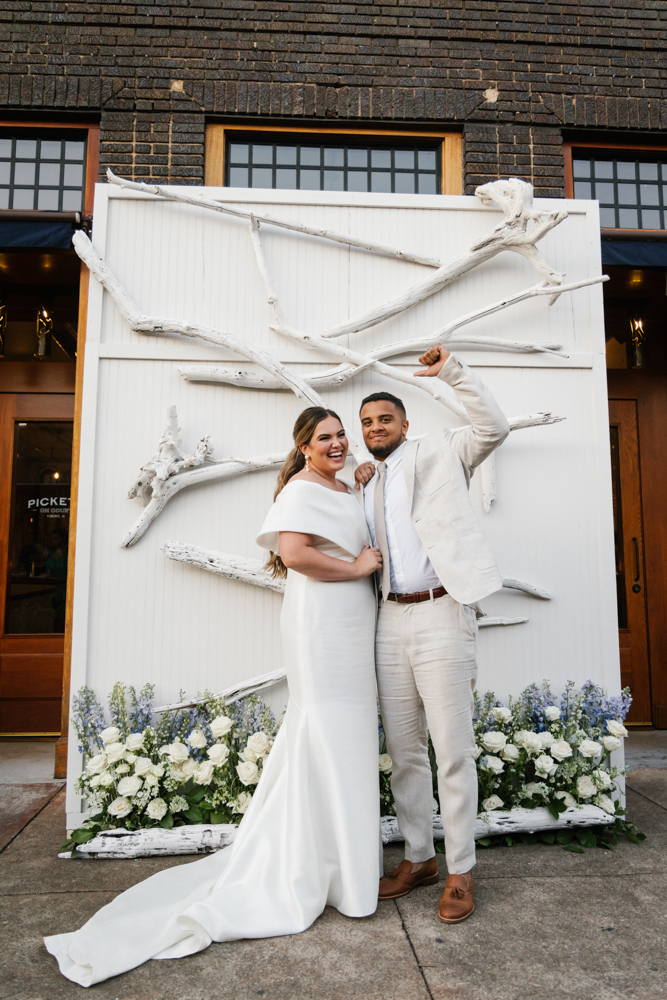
{"x":410,"y":567}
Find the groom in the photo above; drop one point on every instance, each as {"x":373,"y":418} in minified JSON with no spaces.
{"x":436,"y":565}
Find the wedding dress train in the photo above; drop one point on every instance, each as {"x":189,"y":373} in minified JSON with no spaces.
{"x":310,"y":836}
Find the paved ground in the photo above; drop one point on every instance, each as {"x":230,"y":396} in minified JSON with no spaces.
{"x":549,"y":925}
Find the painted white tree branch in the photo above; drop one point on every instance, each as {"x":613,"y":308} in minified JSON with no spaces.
{"x":171,"y":194}
{"x":487,"y":471}
{"x":239,"y":568}
{"x":168,"y":461}
{"x":234,"y":692}
{"x":511,"y":583}
{"x":489,"y":620}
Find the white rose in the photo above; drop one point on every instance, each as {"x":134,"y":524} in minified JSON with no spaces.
{"x":123,"y":768}
{"x":204,"y":772}
{"x":115,"y":753}
{"x":493,"y":802}
{"x":545,"y":766}
{"x":589,"y":748}
{"x":135,"y":741}
{"x":259,"y":743}
{"x":110,"y":735}
{"x":532,"y":742}
{"x":493,"y":741}
{"x":248,"y":772}
{"x":157,"y":770}
{"x":130,"y":757}
{"x":97,"y":763}
{"x":142,"y":766}
{"x":535,"y":788}
{"x":119,"y":807}
{"x":510,"y":752}
{"x":176,"y":773}
{"x":493,"y":765}
{"x":478,"y":752}
{"x":221,"y":726}
{"x":197,"y":739}
{"x":604,"y":802}
{"x":501,"y":714}
{"x":95,"y":781}
{"x":176,"y":752}
{"x":568,"y":799}
{"x":189,"y":767}
{"x":610,"y":742}
{"x":602,"y":778}
{"x":585,"y":786}
{"x":151,"y":781}
{"x":218,"y":753}
{"x":130,"y":785}
{"x":106,"y":779}
{"x":156,"y":809}
{"x":386,"y":763}
{"x":249,"y":755}
{"x":240,"y":805}
{"x":614,"y":727}
{"x":520,"y":737}
{"x":546,"y":739}
{"x":560,"y":749}
{"x":552,"y":712}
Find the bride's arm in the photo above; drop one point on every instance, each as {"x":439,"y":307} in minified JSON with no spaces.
{"x":298,"y":552}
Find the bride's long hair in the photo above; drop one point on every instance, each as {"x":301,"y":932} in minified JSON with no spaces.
{"x":304,"y":428}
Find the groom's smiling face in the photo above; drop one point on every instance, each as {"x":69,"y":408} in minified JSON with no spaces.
{"x":384,"y":427}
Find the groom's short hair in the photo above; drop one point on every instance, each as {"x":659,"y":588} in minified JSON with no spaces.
{"x":377,"y":397}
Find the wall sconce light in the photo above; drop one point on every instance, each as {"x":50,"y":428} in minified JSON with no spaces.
{"x":637,"y":342}
{"x":44,"y":328}
{"x":3,"y":326}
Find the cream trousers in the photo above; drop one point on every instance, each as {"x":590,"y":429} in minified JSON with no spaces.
{"x":426,"y":669}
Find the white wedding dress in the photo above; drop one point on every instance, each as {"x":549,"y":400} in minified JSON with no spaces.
{"x":311,"y":834}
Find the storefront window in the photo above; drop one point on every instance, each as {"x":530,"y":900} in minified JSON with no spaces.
{"x":37,"y":583}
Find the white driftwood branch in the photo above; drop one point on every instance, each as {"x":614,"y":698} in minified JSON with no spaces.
{"x":533,"y":420}
{"x":234,"y":692}
{"x":168,"y":461}
{"x":212,"y":473}
{"x":239,"y":568}
{"x":488,"y":621}
{"x":511,"y":583}
{"x":204,"y":838}
{"x":177,"y":194}
{"x":487,"y":472}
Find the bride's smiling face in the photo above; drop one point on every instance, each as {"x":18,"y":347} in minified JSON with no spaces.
{"x":327,"y":449}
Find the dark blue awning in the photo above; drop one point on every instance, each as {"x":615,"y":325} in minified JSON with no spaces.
{"x":17,"y":233}
{"x":635,"y":253}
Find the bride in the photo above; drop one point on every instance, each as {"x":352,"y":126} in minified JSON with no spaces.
{"x":310,"y":837}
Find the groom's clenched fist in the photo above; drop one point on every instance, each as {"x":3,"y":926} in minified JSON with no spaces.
{"x":434,"y":359}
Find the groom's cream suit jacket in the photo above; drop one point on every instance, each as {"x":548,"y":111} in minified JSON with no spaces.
{"x":437,"y":472}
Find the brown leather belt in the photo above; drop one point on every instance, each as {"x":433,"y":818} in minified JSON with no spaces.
{"x":424,"y":595}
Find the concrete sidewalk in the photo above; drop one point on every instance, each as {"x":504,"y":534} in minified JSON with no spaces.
{"x":549,"y":925}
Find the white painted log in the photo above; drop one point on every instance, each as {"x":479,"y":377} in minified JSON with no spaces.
{"x":178,"y":194}
{"x":487,"y":471}
{"x":205,"y":838}
{"x":488,"y":620}
{"x":528,"y":588}
{"x":234,"y":692}
{"x":240,"y":568}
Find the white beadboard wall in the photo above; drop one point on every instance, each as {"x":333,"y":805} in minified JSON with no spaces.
{"x":140,"y":617}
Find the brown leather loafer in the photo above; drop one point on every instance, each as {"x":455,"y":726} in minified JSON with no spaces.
{"x":402,"y":880}
{"x":456,"y":902}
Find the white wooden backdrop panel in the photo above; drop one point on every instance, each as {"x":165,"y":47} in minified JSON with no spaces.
{"x":139,"y":616}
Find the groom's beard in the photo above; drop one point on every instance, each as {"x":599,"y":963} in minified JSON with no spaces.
{"x":382,"y":451}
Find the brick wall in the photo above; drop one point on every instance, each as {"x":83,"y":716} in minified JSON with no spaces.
{"x":513,"y":74}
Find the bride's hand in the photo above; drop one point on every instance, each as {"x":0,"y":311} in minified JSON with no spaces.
{"x":368,"y":561}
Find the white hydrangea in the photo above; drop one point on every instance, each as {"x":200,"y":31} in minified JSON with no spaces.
{"x":178,"y":804}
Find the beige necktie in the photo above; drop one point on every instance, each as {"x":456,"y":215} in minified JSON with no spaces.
{"x":381,"y":529}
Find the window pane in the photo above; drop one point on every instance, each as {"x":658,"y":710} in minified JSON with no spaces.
{"x":238,"y":152}
{"x":49,"y":173}
{"x":604,"y":168}
{"x":74,"y":150}
{"x":380,"y":181}
{"x":39,"y":528}
{"x":651,"y":219}
{"x":72,"y":201}
{"x":26,"y":149}
{"x":286,"y":154}
{"x":627,"y":194}
{"x":605,"y":193}
{"x":380,"y":158}
{"x":627,"y":218}
{"x":427,"y":184}
{"x":357,"y":157}
{"x":357,"y":180}
{"x":404,"y":159}
{"x":582,"y":189}
{"x":24,"y":173}
{"x":334,"y":180}
{"x":286,"y":178}
{"x":50,"y":149}
{"x":262,"y":177}
{"x":4,"y":197}
{"x":626,"y":171}
{"x":5,"y":172}
{"x":426,"y":159}
{"x":648,"y":171}
{"x":608,"y":218}
{"x":334,"y":157}
{"x":649,"y":194}
{"x":262,"y":154}
{"x":581,"y":168}
{"x":310,"y":156}
{"x":6,"y":147}
{"x":47,"y":201}
{"x":404,"y":184}
{"x":238,"y":177}
{"x":73,"y":174}
{"x":24,"y":199}
{"x":310,"y":180}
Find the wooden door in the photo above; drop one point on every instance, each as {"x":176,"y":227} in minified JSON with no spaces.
{"x":630,"y":573}
{"x":35,"y":456}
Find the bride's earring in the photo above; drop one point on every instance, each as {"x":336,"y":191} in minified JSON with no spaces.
{"x":307,"y":464}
